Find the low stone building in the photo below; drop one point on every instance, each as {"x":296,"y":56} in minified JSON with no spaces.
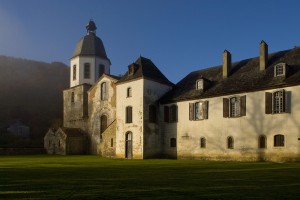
{"x":66,"y":141}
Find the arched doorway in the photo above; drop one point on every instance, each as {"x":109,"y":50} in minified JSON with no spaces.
{"x":103,"y":121}
{"x":128,"y":145}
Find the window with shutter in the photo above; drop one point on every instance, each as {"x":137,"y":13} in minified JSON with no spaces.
{"x":173,"y":113}
{"x":225,"y":107}
{"x":277,"y":102}
{"x":166,"y":114}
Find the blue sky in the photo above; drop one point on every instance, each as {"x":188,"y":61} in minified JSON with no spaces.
{"x":179,"y":36}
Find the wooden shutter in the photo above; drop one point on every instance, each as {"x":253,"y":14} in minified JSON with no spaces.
{"x":205,"y":109}
{"x":284,"y":101}
{"x":166,"y":114}
{"x":176,"y":113}
{"x":288,"y":101}
{"x":225,"y":107}
{"x":192,"y":110}
{"x":243,"y":105}
{"x":268,"y":102}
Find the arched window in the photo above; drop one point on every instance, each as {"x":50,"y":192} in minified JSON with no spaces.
{"x":104,"y":92}
{"x":202,"y":142}
{"x":87,"y":70}
{"x":230,"y":144}
{"x":74,"y":72}
{"x":72,"y":97}
{"x":129,"y":92}
{"x":262,"y":142}
{"x":279,"y":140}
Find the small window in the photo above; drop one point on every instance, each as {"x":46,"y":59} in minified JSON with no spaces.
{"x":279,"y":140}
{"x":74,"y":72}
{"x":131,"y":70}
{"x":87,"y":70}
{"x":58,"y":143}
{"x":104,"y":93}
{"x":173,"y":142}
{"x":173,"y":113}
{"x":230,"y":144}
{"x":128,"y":114}
{"x":279,"y":69}
{"x":72,"y":97}
{"x":202,"y":142}
{"x":152,"y":113}
{"x":129,"y":92}
{"x":199,"y":84}
{"x":111,"y":142}
{"x":262,"y":142}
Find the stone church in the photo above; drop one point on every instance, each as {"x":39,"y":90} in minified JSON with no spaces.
{"x":246,"y":110}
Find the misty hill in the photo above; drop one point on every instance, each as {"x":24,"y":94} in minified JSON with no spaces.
{"x":31,"y":91}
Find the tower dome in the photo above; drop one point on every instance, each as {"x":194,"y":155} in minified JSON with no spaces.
{"x":90,"y":44}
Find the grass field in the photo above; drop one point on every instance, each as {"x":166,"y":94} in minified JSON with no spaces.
{"x":92,"y":177}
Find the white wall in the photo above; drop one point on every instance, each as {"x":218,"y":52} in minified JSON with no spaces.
{"x":136,"y":127}
{"x":94,"y":63}
{"x":245,"y":130}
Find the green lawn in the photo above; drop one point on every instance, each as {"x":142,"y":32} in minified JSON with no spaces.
{"x":92,"y":177}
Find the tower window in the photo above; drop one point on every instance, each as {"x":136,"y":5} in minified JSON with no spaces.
{"x":87,"y":70}
{"x":74,"y":72}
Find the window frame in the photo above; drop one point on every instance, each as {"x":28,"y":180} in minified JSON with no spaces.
{"x":280,"y":70}
{"x":173,"y":143}
{"x":128,"y":114}
{"x":87,"y":71}
{"x":234,"y":109}
{"x":203,"y":143}
{"x":277,"y":104}
{"x":74,"y":72}
{"x":279,"y":141}
{"x":262,"y":142}
{"x":129,"y":92}
{"x":230,"y":142}
{"x":104,"y":91}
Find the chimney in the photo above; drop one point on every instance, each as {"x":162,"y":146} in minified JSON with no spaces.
{"x":226,"y":63}
{"x":263,"y":55}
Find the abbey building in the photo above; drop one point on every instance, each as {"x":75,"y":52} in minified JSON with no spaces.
{"x":247,"y":110}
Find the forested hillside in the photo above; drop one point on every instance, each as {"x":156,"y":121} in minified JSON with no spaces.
{"x":31,"y":92}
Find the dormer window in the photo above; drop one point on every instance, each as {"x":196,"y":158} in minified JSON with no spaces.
{"x":280,"y":70}
{"x":199,"y":84}
{"x":131,"y":70}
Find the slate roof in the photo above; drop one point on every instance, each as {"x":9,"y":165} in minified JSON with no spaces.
{"x":73,"y":132}
{"x":90,"y":45}
{"x":245,"y":76}
{"x":145,"y":68}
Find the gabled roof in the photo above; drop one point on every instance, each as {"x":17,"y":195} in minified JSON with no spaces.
{"x":144,"y":68}
{"x":105,"y":75}
{"x":245,"y":76}
{"x":73,"y":132}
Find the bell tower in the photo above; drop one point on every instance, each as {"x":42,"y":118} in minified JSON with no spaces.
{"x":89,"y":60}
